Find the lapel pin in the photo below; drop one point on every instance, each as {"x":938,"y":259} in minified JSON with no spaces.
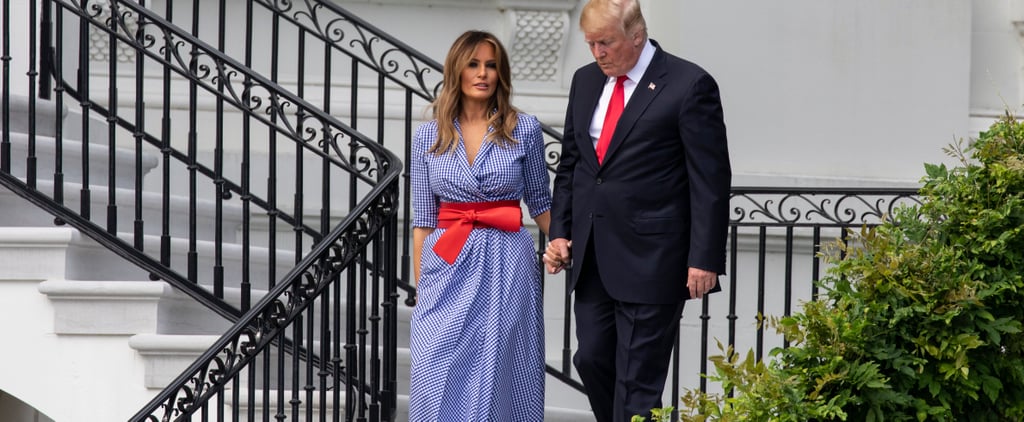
{"x":651,"y":86}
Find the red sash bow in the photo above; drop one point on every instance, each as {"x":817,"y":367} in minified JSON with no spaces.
{"x":459,"y":218}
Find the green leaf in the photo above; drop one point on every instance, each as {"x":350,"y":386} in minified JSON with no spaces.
{"x":935,"y":171}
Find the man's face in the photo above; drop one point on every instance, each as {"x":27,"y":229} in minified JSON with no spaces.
{"x":615,"y":51}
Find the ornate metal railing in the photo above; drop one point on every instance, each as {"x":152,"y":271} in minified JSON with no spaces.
{"x":272,"y":213}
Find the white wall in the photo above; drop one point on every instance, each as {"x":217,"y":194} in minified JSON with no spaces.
{"x":836,"y":89}
{"x":996,"y":55}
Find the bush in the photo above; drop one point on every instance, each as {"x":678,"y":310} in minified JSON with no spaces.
{"x":921,"y":320}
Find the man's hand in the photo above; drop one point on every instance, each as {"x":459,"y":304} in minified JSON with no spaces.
{"x":557,"y":256}
{"x":700,"y":282}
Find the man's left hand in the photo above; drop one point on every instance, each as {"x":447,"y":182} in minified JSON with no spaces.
{"x":700,"y":282}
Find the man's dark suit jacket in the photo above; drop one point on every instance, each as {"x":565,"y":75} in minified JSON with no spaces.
{"x":659,"y":202}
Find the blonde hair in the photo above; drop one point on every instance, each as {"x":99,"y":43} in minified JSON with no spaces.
{"x":626,"y":12}
{"x":448,"y":104}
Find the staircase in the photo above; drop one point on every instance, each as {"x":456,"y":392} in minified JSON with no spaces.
{"x":118,"y":298}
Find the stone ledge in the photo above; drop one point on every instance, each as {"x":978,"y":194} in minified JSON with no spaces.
{"x":167,"y":356}
{"x":34,"y":253}
{"x":104,"y":307}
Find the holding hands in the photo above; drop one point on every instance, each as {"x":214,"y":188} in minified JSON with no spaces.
{"x":557,"y":256}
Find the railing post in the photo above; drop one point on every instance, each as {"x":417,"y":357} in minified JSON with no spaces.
{"x":30,"y":160}
{"x":5,"y":142}
{"x":46,"y":49}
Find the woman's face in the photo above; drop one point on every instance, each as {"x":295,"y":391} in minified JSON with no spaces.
{"x":480,"y":76}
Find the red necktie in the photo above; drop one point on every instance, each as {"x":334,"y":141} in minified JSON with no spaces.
{"x":615,"y":106}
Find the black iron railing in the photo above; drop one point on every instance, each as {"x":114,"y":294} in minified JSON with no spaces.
{"x":776,"y":236}
{"x":272,"y":212}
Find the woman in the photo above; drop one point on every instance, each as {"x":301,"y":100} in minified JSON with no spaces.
{"x":477,"y":341}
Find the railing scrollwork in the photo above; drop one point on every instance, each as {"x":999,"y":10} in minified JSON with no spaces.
{"x":363,"y":42}
{"x":821,"y":207}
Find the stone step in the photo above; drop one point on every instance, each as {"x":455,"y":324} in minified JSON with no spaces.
{"x":166,"y":356}
{"x":72,"y":157}
{"x":104,"y":307}
{"x":258,"y":406}
{"x":17,"y":211}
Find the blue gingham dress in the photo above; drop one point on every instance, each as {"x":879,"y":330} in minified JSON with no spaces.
{"x":477,"y":333}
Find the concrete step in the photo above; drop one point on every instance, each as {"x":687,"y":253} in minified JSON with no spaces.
{"x":551,"y":413}
{"x":20,"y":212}
{"x":72,"y":153}
{"x":166,"y":356}
{"x":46,"y":118}
{"x":104,"y":307}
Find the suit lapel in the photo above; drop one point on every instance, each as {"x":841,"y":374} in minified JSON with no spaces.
{"x":646,"y":90}
{"x":588,"y":93}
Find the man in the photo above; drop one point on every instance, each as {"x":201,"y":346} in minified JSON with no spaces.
{"x":640,"y":207}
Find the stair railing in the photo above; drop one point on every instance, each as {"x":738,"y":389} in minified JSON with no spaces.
{"x":321,"y":335}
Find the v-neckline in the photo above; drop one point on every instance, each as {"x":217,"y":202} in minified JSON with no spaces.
{"x":471,"y":164}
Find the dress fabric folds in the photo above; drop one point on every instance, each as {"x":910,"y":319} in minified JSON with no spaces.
{"x":477,"y":333}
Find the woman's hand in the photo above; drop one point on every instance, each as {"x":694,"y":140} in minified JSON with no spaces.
{"x":557,"y":255}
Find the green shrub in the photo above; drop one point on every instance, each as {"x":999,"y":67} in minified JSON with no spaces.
{"x":660,"y":414}
{"x":921,"y":320}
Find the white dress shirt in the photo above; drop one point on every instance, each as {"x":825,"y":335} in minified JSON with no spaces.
{"x":628,"y":86}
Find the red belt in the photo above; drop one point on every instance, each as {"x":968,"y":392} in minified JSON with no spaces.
{"x":461,"y":217}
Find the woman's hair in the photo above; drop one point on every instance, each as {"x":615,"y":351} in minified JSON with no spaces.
{"x":448,"y":104}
